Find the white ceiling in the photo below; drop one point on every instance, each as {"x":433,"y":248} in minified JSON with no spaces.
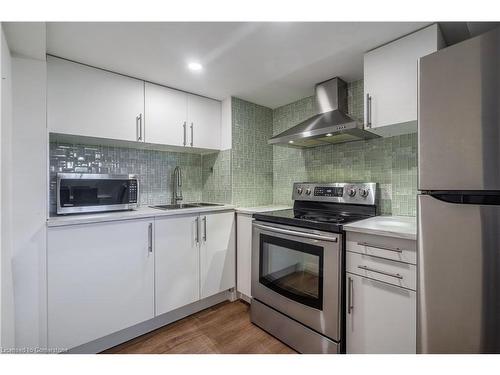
{"x":266,"y":63}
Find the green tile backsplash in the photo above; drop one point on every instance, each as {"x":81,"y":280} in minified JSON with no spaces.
{"x":390,"y":162}
{"x":252,"y":157}
{"x":154,"y":168}
{"x":216,"y":177}
{"x":248,"y":166}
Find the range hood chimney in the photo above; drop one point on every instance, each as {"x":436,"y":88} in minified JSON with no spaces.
{"x":331,"y":124}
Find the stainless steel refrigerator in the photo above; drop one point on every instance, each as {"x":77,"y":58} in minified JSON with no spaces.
{"x":459,"y":200}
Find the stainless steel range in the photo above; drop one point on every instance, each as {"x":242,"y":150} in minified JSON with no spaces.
{"x":298,"y":264}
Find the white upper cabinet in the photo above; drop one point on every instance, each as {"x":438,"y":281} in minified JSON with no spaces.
{"x":390,"y":82}
{"x":204,"y":120}
{"x":217,"y":253}
{"x":92,"y":102}
{"x":176,"y":118}
{"x":166,"y":115}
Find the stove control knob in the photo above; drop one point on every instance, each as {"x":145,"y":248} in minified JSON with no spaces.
{"x":351,"y":192}
{"x":308,"y":191}
{"x":364,"y":192}
{"x":299,"y":190}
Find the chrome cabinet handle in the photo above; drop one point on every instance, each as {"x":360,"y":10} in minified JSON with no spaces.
{"x":350,"y":304}
{"x":184,"y":126}
{"x":143,"y":136}
{"x":138,"y":125}
{"x":368,"y":111}
{"x":192,"y":134}
{"x":395,"y":249}
{"x":150,"y":238}
{"x":197,"y":237}
{"x":298,"y":234}
{"x":204,"y":228}
{"x":396,"y":275}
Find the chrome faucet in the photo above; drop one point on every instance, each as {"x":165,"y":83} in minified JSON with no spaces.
{"x":177,"y":184}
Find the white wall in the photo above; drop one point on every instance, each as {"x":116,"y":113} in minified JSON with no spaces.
{"x":6,"y":287}
{"x":1,"y":111}
{"x":23,"y":192}
{"x":29,"y":187}
{"x":26,"y":39}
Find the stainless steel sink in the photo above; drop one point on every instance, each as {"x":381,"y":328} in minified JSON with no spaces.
{"x":203,"y":204}
{"x":183,"y":205}
{"x":173,"y":206}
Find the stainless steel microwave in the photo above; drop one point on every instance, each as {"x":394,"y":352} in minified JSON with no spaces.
{"x":85,"y":192}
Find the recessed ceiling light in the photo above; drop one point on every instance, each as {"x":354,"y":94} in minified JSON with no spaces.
{"x":194,"y":66}
{"x":329,"y":134}
{"x":290,"y":141}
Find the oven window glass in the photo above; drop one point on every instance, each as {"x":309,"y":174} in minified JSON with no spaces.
{"x":293,"y":269}
{"x":81,"y":192}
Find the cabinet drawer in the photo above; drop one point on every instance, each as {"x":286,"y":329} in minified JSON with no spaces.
{"x":384,"y":247}
{"x":389,"y":271}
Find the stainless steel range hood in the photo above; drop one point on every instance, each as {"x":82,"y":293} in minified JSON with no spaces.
{"x":330,"y":125}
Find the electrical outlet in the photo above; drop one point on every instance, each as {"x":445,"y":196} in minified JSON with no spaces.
{"x":386,"y":191}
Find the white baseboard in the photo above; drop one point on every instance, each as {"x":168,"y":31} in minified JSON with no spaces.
{"x":244,"y":297}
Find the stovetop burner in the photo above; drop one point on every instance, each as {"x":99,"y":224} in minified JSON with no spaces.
{"x":323,"y":219}
{"x":325,"y":206}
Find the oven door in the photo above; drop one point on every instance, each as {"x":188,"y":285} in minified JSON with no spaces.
{"x":298,"y":272}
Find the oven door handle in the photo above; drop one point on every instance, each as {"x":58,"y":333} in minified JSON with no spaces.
{"x":298,"y":234}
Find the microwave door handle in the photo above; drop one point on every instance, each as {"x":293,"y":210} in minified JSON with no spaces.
{"x":123,"y":191}
{"x":297,"y":234}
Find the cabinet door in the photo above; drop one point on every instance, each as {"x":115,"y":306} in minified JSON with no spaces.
{"x":100,"y":280}
{"x":204,"y":120}
{"x":177,"y":271}
{"x":390,"y":78}
{"x":217,"y":253}
{"x":244,"y":254}
{"x":382,"y":317}
{"x":92,"y":102}
{"x":166,"y":115}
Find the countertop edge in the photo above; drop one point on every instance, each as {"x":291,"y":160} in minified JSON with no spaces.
{"x":144,"y":213}
{"x":386,"y":225}
{"x":387,"y":233}
{"x":257,"y":209}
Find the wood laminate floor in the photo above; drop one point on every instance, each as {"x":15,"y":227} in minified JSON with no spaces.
{"x":222,"y":329}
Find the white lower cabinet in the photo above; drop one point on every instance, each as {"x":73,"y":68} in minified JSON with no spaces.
{"x":177,"y":275}
{"x":244,"y":254}
{"x":100,"y":280}
{"x":195,"y":258}
{"x":381,"y":317}
{"x":217,"y":253}
{"x":105,"y":277}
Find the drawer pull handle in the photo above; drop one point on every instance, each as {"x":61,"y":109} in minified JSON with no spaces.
{"x":396,"y":275}
{"x":395,"y":249}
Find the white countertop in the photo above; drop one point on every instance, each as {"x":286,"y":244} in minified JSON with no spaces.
{"x":391,"y":226}
{"x":253,"y":210}
{"x":141,"y":212}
